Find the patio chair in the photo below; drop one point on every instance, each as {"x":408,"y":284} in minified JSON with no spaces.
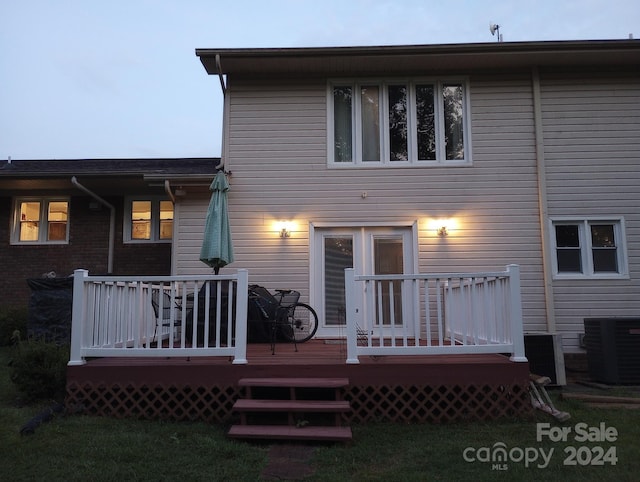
{"x":163,"y":313}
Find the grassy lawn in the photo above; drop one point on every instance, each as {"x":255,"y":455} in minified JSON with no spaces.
{"x":84,"y":448}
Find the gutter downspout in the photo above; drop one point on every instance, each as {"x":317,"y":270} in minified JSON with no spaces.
{"x":167,"y":189}
{"x":112,"y":221}
{"x":219,"y":69}
{"x":542,"y":202}
{"x":225,"y":110}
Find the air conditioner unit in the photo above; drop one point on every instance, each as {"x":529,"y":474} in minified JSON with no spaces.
{"x":545,"y":355}
{"x":613,"y":349}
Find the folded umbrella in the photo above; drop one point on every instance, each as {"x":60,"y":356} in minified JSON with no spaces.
{"x":217,"y":246}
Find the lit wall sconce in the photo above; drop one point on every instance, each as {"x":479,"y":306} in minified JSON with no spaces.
{"x":284,"y":229}
{"x":442,"y":227}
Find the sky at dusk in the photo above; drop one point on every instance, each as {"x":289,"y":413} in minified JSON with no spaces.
{"x":120,"y":78}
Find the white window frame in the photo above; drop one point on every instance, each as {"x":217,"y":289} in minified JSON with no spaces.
{"x":385,"y":162}
{"x":43,"y":229}
{"x":155,"y":220}
{"x":586,"y":249}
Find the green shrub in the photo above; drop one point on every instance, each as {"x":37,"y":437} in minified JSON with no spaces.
{"x":12,"y":320}
{"x":39,"y":369}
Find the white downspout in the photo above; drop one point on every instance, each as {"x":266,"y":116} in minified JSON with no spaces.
{"x":112,"y":221}
{"x":542,"y":202}
{"x":167,"y":189}
{"x":225,"y":113}
{"x":220,"y":76}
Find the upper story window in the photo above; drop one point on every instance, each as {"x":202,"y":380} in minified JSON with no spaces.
{"x":398,"y":123}
{"x":589,"y":248}
{"x":148,"y":220}
{"x":40,"y":221}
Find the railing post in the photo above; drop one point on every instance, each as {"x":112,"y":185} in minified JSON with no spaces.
{"x":350,"y":316}
{"x":242,"y":297}
{"x":77,"y":318}
{"x":515,"y":300}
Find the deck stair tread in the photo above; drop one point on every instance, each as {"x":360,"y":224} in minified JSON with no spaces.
{"x":324,"y":433}
{"x":324,"y":406}
{"x":294,"y":382}
{"x":249,"y":408}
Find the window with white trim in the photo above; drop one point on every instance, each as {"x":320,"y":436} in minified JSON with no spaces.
{"x":40,"y":221}
{"x":148,"y":220}
{"x":398,"y":123}
{"x":589,"y":248}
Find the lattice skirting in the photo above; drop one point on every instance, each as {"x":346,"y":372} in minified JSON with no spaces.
{"x":438,"y":403}
{"x":381,"y":403}
{"x":209,"y":404}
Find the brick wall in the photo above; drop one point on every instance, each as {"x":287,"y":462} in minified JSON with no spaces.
{"x":88,"y":249}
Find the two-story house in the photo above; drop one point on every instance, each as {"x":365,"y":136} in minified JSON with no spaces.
{"x":436,"y":158}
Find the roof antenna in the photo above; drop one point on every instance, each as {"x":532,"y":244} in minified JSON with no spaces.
{"x":9,"y":160}
{"x":493,"y":28}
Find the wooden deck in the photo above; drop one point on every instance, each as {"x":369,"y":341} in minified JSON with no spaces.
{"x":396,"y":388}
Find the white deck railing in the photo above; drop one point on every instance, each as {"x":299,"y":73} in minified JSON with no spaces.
{"x":432,"y":314}
{"x":159,"y":316}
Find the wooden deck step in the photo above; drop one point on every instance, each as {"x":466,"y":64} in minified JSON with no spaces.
{"x":294,"y":382}
{"x":285,"y":432}
{"x":317,"y":410}
{"x":322,"y":406}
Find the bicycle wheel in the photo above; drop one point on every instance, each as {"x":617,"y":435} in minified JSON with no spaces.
{"x":301,"y":323}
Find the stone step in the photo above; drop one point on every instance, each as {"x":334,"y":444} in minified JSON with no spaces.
{"x":285,"y":432}
{"x":319,"y":406}
{"x":294,"y":382}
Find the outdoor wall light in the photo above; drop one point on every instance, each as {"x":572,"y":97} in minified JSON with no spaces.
{"x":284,"y":229}
{"x":442,"y":227}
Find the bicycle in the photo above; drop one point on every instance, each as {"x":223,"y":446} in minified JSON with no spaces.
{"x":289,"y":320}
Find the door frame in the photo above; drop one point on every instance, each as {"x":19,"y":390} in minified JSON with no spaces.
{"x":316,"y":255}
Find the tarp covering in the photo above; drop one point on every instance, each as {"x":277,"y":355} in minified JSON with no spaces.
{"x":50,"y":306}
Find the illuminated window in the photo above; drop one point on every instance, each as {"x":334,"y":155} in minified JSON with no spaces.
{"x":141,"y":220}
{"x":40,"y":221}
{"x":166,"y":219}
{"x":148,"y":220}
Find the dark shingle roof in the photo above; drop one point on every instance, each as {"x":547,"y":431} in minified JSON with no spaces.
{"x":169,"y":167}
{"x":105,"y":176}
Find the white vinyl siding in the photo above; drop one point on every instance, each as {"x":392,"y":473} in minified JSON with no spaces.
{"x":592,"y":151}
{"x":277,"y":153}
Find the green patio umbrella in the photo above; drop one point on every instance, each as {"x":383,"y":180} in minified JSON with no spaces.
{"x":217,"y":247}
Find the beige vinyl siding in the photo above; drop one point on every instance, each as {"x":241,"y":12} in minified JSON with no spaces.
{"x":277,"y":153}
{"x":592,"y":150}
